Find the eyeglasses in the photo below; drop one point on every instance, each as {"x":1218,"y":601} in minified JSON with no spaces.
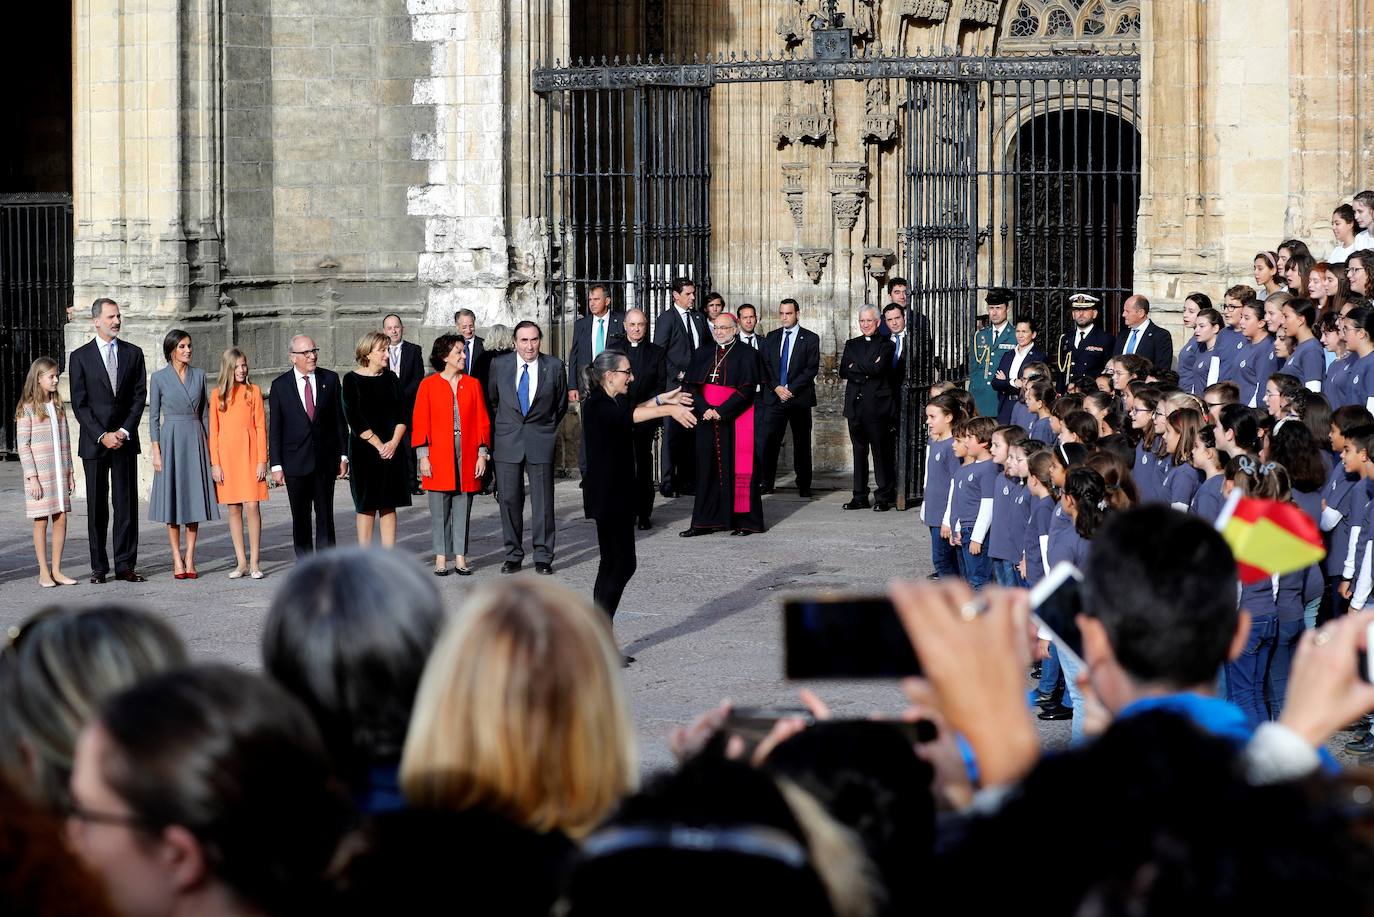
{"x":625,"y":371}
{"x":1162,"y":415}
{"x":306,"y":353}
{"x":1215,"y":404}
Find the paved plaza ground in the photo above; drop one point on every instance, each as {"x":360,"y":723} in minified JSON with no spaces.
{"x":702,"y":616}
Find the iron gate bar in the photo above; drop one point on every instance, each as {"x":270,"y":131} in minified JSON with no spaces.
{"x":1120,"y":63}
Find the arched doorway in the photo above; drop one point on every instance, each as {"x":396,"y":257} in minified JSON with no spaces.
{"x":1076,"y":191}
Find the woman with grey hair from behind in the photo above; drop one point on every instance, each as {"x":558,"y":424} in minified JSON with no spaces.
{"x":56,"y":670}
{"x":349,"y":634}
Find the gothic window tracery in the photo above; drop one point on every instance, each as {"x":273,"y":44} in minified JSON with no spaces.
{"x":1043,"y":21}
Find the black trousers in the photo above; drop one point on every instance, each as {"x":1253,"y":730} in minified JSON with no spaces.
{"x":780,"y":418}
{"x":679,"y":457}
{"x":644,"y":472}
{"x":309,"y":493}
{"x":112,"y":482}
{"x":616,"y":541}
{"x":874,"y":436}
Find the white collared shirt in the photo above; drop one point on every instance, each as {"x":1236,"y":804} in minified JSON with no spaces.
{"x":998,"y":329}
{"x":1139,"y":332}
{"x":751,"y":340}
{"x":393,"y":355}
{"x":1018,"y":356}
{"x":534,"y":377}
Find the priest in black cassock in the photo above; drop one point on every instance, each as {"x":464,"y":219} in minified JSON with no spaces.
{"x":722,"y":380}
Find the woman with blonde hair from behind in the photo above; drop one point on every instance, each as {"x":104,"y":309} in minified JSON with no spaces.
{"x":45,"y":452}
{"x":238,"y":455}
{"x":521,"y":713}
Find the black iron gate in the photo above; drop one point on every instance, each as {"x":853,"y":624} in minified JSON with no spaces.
{"x":1020,"y":172}
{"x":35,"y":289}
{"x":626,"y":185}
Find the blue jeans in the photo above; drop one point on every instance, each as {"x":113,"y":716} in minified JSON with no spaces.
{"x":977,"y":567}
{"x":944,"y":559}
{"x":1073,"y":696}
{"x":1004,"y":572}
{"x":1050,"y":674}
{"x":1282,"y":663}
{"x":1246,"y":674}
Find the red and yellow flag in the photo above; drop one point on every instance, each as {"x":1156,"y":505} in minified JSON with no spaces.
{"x":1268,"y":537}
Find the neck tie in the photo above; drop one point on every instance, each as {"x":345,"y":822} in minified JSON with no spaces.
{"x":599,"y":343}
{"x":1130,"y":344}
{"x":395,"y":358}
{"x":309,"y":400}
{"x":786,"y":352}
{"x":897,"y":351}
{"x":523,"y":389}
{"x":1078,"y":339}
{"x":467,"y":359}
{"x":111,"y":366}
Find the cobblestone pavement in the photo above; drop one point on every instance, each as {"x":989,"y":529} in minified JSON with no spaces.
{"x":701,"y":616}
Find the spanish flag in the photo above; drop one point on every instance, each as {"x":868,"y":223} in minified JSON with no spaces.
{"x":1268,"y":537}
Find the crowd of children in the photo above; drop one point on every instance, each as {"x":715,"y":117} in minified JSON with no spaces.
{"x":1254,"y":406}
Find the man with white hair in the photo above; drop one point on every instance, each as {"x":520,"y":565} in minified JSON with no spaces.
{"x":869,"y":408}
{"x":649,"y":363}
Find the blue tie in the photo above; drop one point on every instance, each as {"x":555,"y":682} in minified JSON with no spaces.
{"x":523,"y":389}
{"x":786,"y":351}
{"x":467,"y":360}
{"x":1130,"y":344}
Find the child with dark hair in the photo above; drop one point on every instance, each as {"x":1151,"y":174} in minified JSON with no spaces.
{"x":1345,"y":501}
{"x":1035,"y":564}
{"x":1040,"y":398}
{"x":1181,"y":480}
{"x":1116,"y":474}
{"x":971,"y":510}
{"x":1010,"y":508}
{"x":1341,"y":362}
{"x":1064,"y":405}
{"x":1149,"y":474}
{"x":1079,"y":427}
{"x":942,"y":413}
{"x":1207,"y":459}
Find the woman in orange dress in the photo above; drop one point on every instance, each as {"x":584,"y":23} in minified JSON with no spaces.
{"x":238,"y":455}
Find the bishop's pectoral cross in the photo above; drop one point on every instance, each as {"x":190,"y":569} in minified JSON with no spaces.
{"x":715,"y":376}
{"x":718,"y":366}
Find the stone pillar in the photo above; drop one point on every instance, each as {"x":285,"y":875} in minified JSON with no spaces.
{"x":145,"y":159}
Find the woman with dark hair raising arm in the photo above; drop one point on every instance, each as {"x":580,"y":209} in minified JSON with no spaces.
{"x":608,"y":420}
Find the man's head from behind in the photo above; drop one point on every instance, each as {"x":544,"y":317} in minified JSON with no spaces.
{"x":1159,"y":599}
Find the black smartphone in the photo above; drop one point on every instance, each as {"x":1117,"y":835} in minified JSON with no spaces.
{"x":1056,"y":602}
{"x":845,"y":637}
{"x":753,"y":724}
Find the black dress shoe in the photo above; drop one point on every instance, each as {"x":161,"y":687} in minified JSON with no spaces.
{"x":131,"y":576}
{"x":741,"y":532}
{"x":1362,"y":745}
{"x":855,"y":504}
{"x":511,"y":566}
{"x":881,"y":507}
{"x":543,"y":569}
{"x":667,"y":491}
{"x":1058,"y":712}
{"x":765,"y":491}
{"x":447,"y":571}
{"x":804,"y":493}
{"x":98,"y":579}
{"x":625,"y":661}
{"x":693,"y":533}
{"x":644,"y":525}
{"x":1045,"y":701}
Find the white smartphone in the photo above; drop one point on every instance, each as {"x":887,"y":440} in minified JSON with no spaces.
{"x":1056,"y":602}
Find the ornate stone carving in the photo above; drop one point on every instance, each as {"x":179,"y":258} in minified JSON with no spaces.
{"x":848,"y":176}
{"x":789,"y":258}
{"x":792,"y":26}
{"x":934,"y":10}
{"x":804,"y":123}
{"x":879,"y":124}
{"x":865,"y":20}
{"x":983,"y":12}
{"x":813,"y":261}
{"x":792,"y":189}
{"x":847,"y":205}
{"x":879,"y":261}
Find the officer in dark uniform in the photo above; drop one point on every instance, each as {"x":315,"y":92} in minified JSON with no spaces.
{"x":1085,"y":348}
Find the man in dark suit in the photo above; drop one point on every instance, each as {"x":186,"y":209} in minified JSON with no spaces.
{"x":679,"y":330}
{"x":528,"y":396}
{"x":918,"y":343}
{"x":649,"y":364}
{"x":1084,"y":350}
{"x":466,"y":322}
{"x":109,"y":388}
{"x":792,"y":357}
{"x":307,"y":439}
{"x":1006,"y":381}
{"x":1141,"y":336}
{"x":407,"y":362}
{"x":599,"y":329}
{"x":866,"y":365}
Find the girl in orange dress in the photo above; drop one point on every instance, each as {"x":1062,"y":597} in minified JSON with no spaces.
{"x":238,"y":455}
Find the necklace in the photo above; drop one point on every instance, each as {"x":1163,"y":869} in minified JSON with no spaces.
{"x":722,"y":353}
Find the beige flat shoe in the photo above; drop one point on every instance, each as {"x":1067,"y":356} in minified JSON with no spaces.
{"x":237,"y":574}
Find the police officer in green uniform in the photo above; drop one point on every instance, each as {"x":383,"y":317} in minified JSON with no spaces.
{"x":988,"y":346}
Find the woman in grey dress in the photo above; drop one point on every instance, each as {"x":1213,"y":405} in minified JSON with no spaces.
{"x":178,"y":412}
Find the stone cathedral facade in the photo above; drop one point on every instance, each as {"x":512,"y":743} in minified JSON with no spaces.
{"x":252,"y":169}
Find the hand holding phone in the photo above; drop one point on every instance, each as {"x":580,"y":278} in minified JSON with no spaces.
{"x":1056,"y":602}
{"x":1330,"y":680}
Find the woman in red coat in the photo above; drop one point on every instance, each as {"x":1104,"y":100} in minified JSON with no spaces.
{"x":452,"y":439}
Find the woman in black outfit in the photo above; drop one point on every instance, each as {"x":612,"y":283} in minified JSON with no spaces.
{"x":375,"y":410}
{"x":608,"y":419}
